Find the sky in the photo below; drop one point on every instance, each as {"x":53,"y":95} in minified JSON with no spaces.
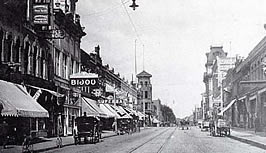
{"x":172,"y":37}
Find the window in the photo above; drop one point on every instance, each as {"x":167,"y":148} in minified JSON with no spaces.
{"x":146,"y":83}
{"x":7,"y":48}
{"x":64,"y":66}
{"x":57,"y":64}
{"x":146,"y":94}
{"x":26,"y":57}
{"x":1,"y":38}
{"x":15,"y":53}
{"x":146,"y":106}
{"x":34,"y":60}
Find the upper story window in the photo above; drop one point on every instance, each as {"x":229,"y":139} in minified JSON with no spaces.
{"x":146,"y":94}
{"x":57,"y":62}
{"x":146,"y":83}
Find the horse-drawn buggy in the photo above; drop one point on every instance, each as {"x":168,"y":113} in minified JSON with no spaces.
{"x":184,"y":124}
{"x":88,"y":128}
{"x":219,"y":127}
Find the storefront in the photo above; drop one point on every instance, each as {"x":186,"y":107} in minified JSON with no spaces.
{"x":21,"y":111}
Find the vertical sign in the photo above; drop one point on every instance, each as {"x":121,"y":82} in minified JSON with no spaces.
{"x":40,"y":9}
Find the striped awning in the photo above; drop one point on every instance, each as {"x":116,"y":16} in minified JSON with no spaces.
{"x":91,"y":108}
{"x":16,"y":101}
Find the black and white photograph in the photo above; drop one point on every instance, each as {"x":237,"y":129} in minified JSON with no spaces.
{"x":132,"y":76}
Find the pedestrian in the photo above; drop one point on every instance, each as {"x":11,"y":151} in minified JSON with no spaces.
{"x":257,"y":122}
{"x":5,"y":134}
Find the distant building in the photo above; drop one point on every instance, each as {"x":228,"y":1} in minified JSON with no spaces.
{"x":208,"y":77}
{"x":145,"y":90}
{"x":156,"y":109}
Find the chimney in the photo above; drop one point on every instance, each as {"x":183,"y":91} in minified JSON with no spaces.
{"x":97,"y":50}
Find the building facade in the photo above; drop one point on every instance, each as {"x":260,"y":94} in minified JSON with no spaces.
{"x":32,"y":54}
{"x":145,"y":90}
{"x":208,"y":78}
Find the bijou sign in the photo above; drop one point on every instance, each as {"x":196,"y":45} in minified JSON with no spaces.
{"x":84,"y":79}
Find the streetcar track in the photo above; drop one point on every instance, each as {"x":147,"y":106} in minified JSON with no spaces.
{"x":168,"y":138}
{"x":160,"y":149}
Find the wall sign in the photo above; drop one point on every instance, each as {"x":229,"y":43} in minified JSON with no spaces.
{"x":84,"y":82}
{"x":41,"y":14}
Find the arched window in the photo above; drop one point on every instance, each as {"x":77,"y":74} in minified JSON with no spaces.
{"x":1,"y":40}
{"x":39,"y":62}
{"x":16,"y":50}
{"x":7,"y":47}
{"x":45,"y":64}
{"x":26,"y":56}
{"x":42,"y":61}
{"x":34,"y":59}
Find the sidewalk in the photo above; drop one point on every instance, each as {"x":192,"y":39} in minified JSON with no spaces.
{"x":249,"y":136}
{"x":49,"y":144}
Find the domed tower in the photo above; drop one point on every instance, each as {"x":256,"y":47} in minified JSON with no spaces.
{"x":145,"y":92}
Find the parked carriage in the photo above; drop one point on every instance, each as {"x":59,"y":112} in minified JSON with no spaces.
{"x":88,"y":128}
{"x":220,"y":127}
{"x":184,"y":124}
{"x":124,"y":125}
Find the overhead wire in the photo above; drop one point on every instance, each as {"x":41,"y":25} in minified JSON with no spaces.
{"x":132,"y":23}
{"x":106,"y":10}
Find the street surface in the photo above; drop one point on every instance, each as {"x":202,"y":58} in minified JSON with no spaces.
{"x":164,"y":140}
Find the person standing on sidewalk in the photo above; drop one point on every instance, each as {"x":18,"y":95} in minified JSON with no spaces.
{"x":4,"y":132}
{"x":257,"y":124}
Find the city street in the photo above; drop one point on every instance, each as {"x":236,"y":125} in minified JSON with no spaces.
{"x":164,"y":139}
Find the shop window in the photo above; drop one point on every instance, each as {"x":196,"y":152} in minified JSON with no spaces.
{"x":41,"y":124}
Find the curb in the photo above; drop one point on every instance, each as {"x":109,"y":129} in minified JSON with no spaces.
{"x":253,"y":143}
{"x":64,"y":145}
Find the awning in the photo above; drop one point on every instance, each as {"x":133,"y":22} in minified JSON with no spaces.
{"x":50,"y":91}
{"x":107,"y":110}
{"x":92,"y":107}
{"x":126,"y":115}
{"x":111,"y":110}
{"x":141,"y":115}
{"x":120,"y":111}
{"x":17,"y":101}
{"x":154,"y":120}
{"x":227,"y":107}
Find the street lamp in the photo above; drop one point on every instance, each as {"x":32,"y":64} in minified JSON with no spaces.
{"x":134,"y":5}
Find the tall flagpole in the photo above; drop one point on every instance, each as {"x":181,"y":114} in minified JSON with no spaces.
{"x":136,"y":57}
{"x":143,"y":58}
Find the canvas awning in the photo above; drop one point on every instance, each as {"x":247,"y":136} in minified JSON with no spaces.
{"x":227,"y":107}
{"x":109,"y":111}
{"x":141,"y":115}
{"x":126,"y":115}
{"x":154,"y":120}
{"x":17,"y":101}
{"x":91,"y":107}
